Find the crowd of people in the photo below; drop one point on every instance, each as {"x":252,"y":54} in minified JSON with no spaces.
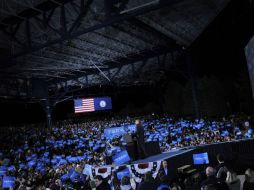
{"x":35,"y":157}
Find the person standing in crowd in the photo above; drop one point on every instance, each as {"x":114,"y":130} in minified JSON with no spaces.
{"x":164,"y":182}
{"x":222,"y":168}
{"x":212,"y":181}
{"x":233,"y":182}
{"x":249,"y":180}
{"x":164,"y":170}
{"x":140,"y":139}
{"x":125,"y":183}
{"x":149,"y":183}
{"x":100,"y":184}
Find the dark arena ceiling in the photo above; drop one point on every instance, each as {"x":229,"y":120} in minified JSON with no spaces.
{"x":65,"y":43}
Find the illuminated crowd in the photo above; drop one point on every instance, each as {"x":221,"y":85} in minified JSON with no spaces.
{"x":40,"y":158}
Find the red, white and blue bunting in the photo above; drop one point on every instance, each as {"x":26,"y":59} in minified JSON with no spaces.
{"x":137,"y":171}
{"x":105,"y":171}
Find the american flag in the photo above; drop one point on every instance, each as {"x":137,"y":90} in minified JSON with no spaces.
{"x":84,"y":105}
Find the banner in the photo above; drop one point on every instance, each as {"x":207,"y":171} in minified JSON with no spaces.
{"x":118,"y":131}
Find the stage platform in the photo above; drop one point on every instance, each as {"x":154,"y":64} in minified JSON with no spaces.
{"x":163,"y":156}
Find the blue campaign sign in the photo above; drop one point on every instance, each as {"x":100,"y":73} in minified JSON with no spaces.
{"x":62,"y":162}
{"x":22,"y":165}
{"x":8,"y":182}
{"x":28,"y":158}
{"x":174,"y":142}
{"x":64,"y":177}
{"x":124,"y":172}
{"x":6,"y":162}
{"x":46,"y":154}
{"x":73,"y":159}
{"x":96,"y":147}
{"x":58,"y":157}
{"x":31,"y":163}
{"x":46,"y":160}
{"x":239,"y":133}
{"x":74,"y":176}
{"x":11,"y":168}
{"x":114,"y":131}
{"x":54,"y":161}
{"x":121,"y":157}
{"x":225,"y":133}
{"x":131,"y":128}
{"x":87,"y":170}
{"x":118,"y":131}
{"x":89,"y":157}
{"x":3,"y":170}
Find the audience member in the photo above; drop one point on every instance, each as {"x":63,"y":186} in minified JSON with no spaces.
{"x":165,"y":169}
{"x":249,"y":180}
{"x":125,"y":183}
{"x":54,"y":158}
{"x":212,"y":181}
{"x":222,"y":168}
{"x":101,"y":184}
{"x":164,"y":181}
{"x":148,"y":183}
{"x":233,"y":182}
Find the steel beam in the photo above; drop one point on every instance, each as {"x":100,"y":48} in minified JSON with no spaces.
{"x":13,"y":38}
{"x":43,"y":7}
{"x":137,"y":22}
{"x":124,"y":61}
{"x":83,"y":12}
{"x":63,"y":21}
{"x":28,"y":33}
{"x":125,"y":15}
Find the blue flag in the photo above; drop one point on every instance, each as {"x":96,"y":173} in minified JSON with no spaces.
{"x":103,"y":103}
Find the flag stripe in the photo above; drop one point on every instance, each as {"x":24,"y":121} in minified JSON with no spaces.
{"x":84,"y":105}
